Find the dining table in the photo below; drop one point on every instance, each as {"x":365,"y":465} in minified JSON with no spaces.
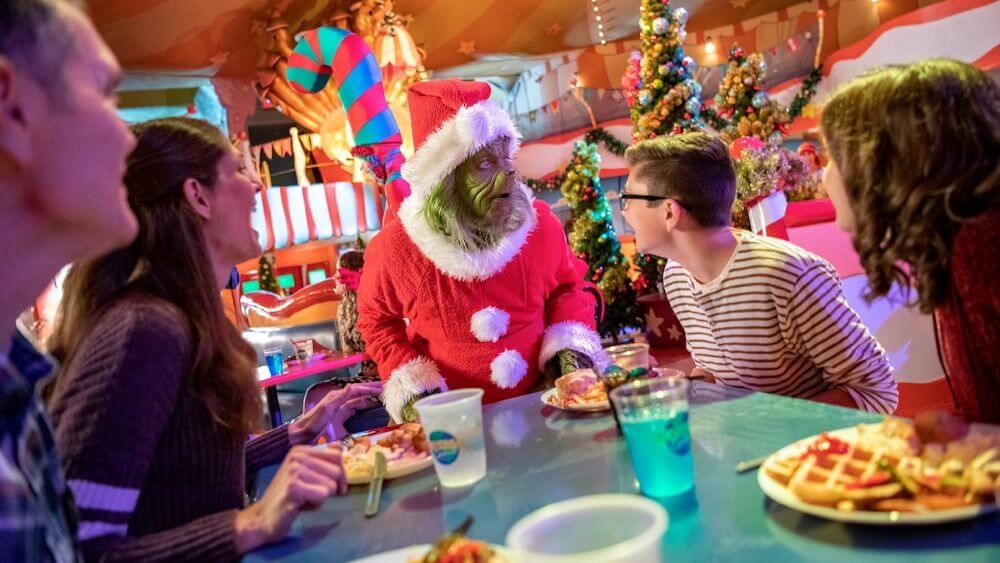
{"x":538,"y":455}
{"x":321,"y":362}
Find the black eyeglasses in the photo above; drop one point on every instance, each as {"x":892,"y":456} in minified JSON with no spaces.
{"x":624,"y":198}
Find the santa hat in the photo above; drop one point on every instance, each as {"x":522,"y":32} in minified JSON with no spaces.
{"x":451,"y":121}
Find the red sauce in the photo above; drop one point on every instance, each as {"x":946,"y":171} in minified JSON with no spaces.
{"x":826,"y":444}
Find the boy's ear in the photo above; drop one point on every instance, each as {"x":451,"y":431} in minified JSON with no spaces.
{"x":672,"y":214}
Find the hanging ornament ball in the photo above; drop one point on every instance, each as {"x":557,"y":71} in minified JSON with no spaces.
{"x":663,"y":70}
{"x":681,"y":15}
{"x":660,"y":25}
{"x":682,"y":34}
{"x":645,"y":97}
{"x":759,"y":99}
{"x":692,"y":105}
{"x":748,"y":80}
{"x":763,"y":66}
{"x":657,"y":84}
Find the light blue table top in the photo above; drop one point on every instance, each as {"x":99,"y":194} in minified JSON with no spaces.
{"x":537,"y":455}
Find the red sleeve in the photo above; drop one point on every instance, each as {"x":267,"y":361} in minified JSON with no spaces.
{"x":382,"y":325}
{"x":569,"y":308}
{"x":380,"y":312}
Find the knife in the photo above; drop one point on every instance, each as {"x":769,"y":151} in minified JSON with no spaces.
{"x":347,"y":441}
{"x":375,"y":485}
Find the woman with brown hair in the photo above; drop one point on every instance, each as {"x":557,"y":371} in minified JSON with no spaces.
{"x":914,"y":175}
{"x":157,"y":395}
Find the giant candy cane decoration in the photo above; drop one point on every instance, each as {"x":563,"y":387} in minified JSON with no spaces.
{"x":331,"y":51}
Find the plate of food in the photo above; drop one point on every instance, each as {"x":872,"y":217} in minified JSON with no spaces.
{"x":463,"y":550}
{"x":893,"y":472}
{"x":578,"y":391}
{"x":453,"y":547}
{"x":405,"y":447}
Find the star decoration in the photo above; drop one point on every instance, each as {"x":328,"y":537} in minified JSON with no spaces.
{"x":467,"y":48}
{"x":674,"y":332}
{"x":553,"y":29}
{"x":653,"y":322}
{"x":739,"y":3}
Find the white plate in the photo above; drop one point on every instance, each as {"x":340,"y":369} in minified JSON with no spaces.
{"x":781,"y":495}
{"x":394,"y":468}
{"x":403,"y":554}
{"x":549,"y":396}
{"x":397,"y":468}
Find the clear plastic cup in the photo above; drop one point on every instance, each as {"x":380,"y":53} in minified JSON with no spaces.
{"x":453,"y":423}
{"x":653,"y":414}
{"x":629,"y":356}
{"x":605,"y":528}
{"x":275,"y":359}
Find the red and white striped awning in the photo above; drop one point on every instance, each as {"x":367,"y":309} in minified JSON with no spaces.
{"x":340,"y":211}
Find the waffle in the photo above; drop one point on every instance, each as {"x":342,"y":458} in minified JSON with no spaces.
{"x":875,"y":472}
{"x":831,"y":478}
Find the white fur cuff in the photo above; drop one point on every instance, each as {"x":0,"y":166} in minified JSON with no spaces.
{"x":572,"y":335}
{"x":409,"y":380}
{"x":508,"y":369}
{"x":489,"y":324}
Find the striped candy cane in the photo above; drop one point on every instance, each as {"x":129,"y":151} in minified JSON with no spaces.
{"x":333,"y":52}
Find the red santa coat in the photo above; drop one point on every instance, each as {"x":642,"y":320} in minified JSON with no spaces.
{"x":490,"y":319}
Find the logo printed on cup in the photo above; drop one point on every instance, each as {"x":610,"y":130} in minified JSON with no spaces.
{"x":445,"y":447}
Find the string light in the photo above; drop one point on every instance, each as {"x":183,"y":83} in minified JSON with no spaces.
{"x":600,"y":23}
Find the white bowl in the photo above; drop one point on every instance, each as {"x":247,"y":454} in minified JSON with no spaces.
{"x":599,"y":528}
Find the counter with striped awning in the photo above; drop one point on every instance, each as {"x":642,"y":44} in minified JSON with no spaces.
{"x":339,"y":212}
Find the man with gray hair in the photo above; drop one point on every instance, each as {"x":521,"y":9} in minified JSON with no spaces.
{"x":62,"y":199}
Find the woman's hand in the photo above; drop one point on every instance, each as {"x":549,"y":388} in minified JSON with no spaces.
{"x":306,"y":478}
{"x":330,"y":413}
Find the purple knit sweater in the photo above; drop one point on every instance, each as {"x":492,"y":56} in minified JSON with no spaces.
{"x":154,"y":477}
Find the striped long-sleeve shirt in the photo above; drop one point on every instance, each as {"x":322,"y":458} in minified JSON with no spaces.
{"x":776,"y":320}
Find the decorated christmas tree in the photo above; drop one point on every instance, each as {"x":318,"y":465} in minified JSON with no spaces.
{"x":650,"y":273}
{"x":659,"y":86}
{"x":265,"y":273}
{"x":592,"y":238}
{"x":742,"y":104}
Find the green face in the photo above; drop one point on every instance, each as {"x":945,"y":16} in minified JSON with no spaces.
{"x":470,"y":204}
{"x":482,"y":178}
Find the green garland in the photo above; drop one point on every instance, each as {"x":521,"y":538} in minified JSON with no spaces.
{"x":806,"y":93}
{"x":712,"y":118}
{"x":610,"y":142}
{"x":599,"y":135}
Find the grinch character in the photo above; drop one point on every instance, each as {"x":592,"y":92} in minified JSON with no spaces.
{"x":473,"y":284}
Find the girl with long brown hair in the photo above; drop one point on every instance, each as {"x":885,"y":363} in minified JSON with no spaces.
{"x":914,"y":175}
{"x":157,"y":394}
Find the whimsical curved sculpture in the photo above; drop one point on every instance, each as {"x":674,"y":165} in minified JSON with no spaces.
{"x":275,"y":307}
{"x":330,"y":52}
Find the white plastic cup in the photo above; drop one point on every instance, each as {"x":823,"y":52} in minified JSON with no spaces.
{"x":453,"y":423}
{"x":598,"y":528}
{"x":303,"y":349}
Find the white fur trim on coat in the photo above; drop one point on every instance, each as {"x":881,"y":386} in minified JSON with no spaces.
{"x":489,"y":324}
{"x":508,"y":369}
{"x":409,"y":380}
{"x":572,"y":335}
{"x":471,"y":128}
{"x":447,"y":256}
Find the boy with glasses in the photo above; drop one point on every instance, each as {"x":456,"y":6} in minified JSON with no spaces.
{"x":758,"y":313}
